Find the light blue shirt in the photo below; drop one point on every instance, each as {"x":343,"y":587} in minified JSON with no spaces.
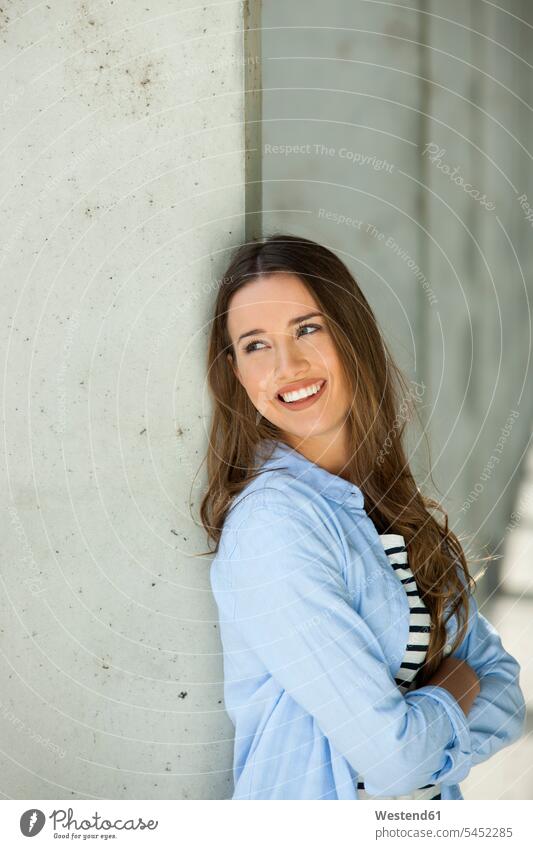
{"x":314,"y":625}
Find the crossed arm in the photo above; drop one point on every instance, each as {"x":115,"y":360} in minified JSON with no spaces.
{"x":495,"y":702}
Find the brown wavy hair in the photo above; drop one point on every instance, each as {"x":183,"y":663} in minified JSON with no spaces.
{"x":382,"y":405}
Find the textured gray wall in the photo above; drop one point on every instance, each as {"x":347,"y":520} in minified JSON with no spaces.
{"x":123,"y":185}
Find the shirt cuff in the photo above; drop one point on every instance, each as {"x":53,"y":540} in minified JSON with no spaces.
{"x":458,"y":754}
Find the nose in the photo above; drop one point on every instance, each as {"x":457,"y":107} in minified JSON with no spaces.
{"x":290,"y":361}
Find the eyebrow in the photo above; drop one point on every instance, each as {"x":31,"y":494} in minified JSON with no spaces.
{"x":289,"y":324}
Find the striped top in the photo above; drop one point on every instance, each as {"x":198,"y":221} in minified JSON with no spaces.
{"x":416,"y":650}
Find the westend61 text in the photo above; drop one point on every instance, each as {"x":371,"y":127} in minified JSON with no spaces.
{"x":407,"y":815}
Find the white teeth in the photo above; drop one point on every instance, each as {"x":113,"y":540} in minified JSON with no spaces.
{"x":302,"y":393}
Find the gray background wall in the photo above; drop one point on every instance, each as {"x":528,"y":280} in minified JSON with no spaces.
{"x":122,"y":187}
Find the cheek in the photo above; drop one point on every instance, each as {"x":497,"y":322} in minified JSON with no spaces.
{"x":334,"y":370}
{"x":331,"y":362}
{"x":255,"y":378}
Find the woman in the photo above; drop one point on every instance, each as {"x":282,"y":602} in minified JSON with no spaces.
{"x":341,"y":596}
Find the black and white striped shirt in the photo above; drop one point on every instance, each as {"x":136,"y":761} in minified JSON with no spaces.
{"x":416,"y":650}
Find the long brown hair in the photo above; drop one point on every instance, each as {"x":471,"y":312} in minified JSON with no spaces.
{"x":382,"y":405}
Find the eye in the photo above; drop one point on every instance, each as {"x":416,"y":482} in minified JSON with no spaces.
{"x":312,"y":326}
{"x":249,"y":348}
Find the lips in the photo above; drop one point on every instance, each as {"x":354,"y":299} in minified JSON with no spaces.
{"x":301,"y":384}
{"x":307,"y":401}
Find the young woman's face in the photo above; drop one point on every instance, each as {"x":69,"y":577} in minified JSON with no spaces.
{"x":283,"y":345}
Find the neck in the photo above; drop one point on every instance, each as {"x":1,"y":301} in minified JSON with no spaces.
{"x":330,"y":450}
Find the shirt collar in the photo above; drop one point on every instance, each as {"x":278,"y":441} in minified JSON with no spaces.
{"x":326,"y":483}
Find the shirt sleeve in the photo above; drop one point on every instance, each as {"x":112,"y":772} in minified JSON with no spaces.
{"x":293,"y":609}
{"x":498,"y":715}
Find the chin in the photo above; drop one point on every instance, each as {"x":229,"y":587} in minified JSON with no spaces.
{"x":310,"y":432}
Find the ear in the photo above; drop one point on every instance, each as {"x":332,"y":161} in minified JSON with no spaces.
{"x":234,"y":367}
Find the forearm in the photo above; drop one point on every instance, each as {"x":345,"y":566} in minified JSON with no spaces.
{"x":494,"y":707}
{"x":497,"y":718}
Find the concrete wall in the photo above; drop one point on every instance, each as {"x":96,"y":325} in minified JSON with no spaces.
{"x":123,"y":187}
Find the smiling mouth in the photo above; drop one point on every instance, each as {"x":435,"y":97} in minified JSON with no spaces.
{"x":301,"y":396}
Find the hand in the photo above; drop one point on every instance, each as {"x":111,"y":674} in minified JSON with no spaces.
{"x":459,"y":679}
